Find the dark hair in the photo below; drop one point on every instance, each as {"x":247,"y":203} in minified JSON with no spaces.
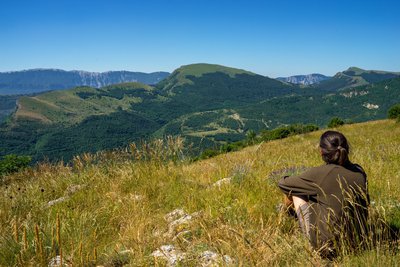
{"x":334,"y":148}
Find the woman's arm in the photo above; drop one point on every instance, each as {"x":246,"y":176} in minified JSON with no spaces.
{"x":297,"y":202}
{"x":297,"y":186}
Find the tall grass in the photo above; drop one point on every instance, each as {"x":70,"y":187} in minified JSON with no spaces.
{"x":111,"y":206}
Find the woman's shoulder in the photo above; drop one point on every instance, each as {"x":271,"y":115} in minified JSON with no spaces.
{"x":349,"y":166}
{"x":319,"y":170}
{"x":326,"y":169}
{"x":355,"y":168}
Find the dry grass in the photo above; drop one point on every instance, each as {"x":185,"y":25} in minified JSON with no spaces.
{"x":111,"y":206}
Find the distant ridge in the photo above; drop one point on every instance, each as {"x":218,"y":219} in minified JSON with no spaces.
{"x":353,"y":77}
{"x":304,"y":79}
{"x":39,"y":80}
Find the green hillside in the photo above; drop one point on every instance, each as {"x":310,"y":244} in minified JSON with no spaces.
{"x":216,"y":90}
{"x":72,"y":106}
{"x":142,"y":206}
{"x":7,"y":106}
{"x":353,"y":77}
{"x":180,"y":76}
{"x":371,"y":76}
{"x":214,"y":106}
{"x":363,"y":103}
{"x":65,"y":123}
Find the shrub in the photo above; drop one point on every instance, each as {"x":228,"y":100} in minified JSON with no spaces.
{"x":283,"y":132}
{"x":209,"y":153}
{"x":394,"y":112}
{"x":232,"y":147}
{"x":251,"y":137}
{"x":13,"y":163}
{"x":335,"y":122}
{"x":280,"y":133}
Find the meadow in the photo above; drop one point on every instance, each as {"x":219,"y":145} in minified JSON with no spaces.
{"x":150,"y":205}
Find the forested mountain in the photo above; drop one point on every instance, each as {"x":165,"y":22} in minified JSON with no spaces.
{"x":7,"y":105}
{"x":353,"y":77}
{"x":207,"y":104}
{"x":39,"y":80}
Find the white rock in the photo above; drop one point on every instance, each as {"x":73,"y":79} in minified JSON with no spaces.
{"x":354,"y":93}
{"x":221,"y":182}
{"x":178,"y":218}
{"x":169,"y":254}
{"x":184,"y":220}
{"x":370,"y":106}
{"x":56,"y":201}
{"x":210,"y":258}
{"x":174,"y":215}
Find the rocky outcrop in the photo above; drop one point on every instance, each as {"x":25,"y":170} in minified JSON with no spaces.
{"x":304,"y":79}
{"x":178,"y":222}
{"x":169,"y":254}
{"x":210,"y":258}
{"x":71,"y":190}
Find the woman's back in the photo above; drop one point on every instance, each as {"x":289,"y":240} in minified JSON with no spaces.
{"x":329,"y":190}
{"x":333,"y":197}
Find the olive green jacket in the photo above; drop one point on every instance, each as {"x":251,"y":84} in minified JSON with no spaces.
{"x":337,"y":197}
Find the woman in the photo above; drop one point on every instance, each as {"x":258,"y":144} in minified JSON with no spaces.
{"x":330,"y":200}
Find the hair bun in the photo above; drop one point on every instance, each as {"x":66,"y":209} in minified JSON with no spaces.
{"x":334,"y":147}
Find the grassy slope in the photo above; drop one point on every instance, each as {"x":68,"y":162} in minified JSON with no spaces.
{"x":119,"y":212}
{"x":68,"y":107}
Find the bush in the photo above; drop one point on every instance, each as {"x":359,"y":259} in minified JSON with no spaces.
{"x":13,"y":163}
{"x":394,"y":112}
{"x":335,"y":122}
{"x":232,"y":147}
{"x":251,"y":136}
{"x":209,"y":153}
{"x":283,"y":132}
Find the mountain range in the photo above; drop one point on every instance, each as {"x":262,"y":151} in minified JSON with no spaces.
{"x":209,"y":105}
{"x":39,"y":80}
{"x":304,"y":79}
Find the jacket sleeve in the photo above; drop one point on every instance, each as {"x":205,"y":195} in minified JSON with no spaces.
{"x":298,"y":186}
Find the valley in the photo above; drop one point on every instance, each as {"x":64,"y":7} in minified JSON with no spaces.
{"x":209,"y":105}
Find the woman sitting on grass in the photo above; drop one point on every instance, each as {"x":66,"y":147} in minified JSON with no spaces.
{"x":330,"y":200}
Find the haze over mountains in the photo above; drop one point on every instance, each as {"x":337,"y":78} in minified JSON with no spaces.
{"x":207,"y":104}
{"x":38,"y":80}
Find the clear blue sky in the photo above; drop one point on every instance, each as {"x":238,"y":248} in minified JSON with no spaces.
{"x":273,"y":38}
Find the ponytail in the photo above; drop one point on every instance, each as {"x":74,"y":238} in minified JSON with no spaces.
{"x":343,"y":156}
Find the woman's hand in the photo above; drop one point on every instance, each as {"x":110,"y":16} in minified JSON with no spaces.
{"x":288,"y":201}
